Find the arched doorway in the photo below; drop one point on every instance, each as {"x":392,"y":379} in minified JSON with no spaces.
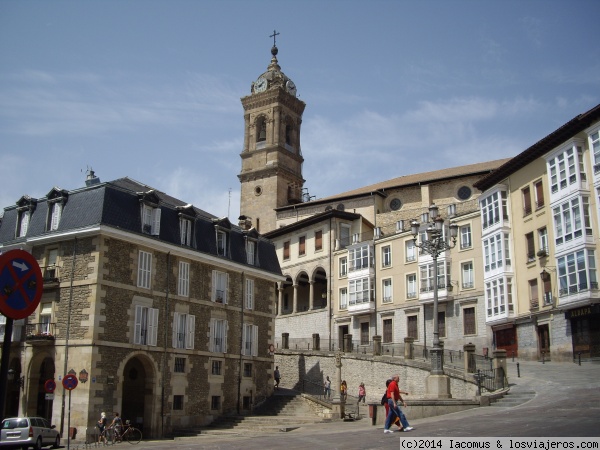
{"x":37,"y":389}
{"x":138,"y":392}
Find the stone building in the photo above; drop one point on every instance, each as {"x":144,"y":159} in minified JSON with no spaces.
{"x":164,"y":311}
{"x":539,"y":225}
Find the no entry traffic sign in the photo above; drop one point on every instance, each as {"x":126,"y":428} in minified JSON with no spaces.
{"x":21,"y":284}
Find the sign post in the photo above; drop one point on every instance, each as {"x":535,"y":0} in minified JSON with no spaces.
{"x":69,"y":382}
{"x":21,"y":287}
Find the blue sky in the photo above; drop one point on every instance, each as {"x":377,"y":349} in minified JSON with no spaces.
{"x":151,"y":89}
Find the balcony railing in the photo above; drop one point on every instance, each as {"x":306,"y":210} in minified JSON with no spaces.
{"x":39,"y":331}
{"x":577,"y":288}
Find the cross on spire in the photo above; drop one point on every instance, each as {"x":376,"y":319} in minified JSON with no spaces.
{"x":274,"y":36}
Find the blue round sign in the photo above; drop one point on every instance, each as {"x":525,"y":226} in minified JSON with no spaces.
{"x":69,"y":382}
{"x":21,"y":284}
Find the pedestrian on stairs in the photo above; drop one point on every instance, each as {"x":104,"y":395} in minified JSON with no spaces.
{"x":327,"y":387}
{"x":362,"y":392}
{"x":277,"y":377}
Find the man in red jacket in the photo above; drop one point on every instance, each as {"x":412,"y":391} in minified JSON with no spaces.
{"x":393,"y":394}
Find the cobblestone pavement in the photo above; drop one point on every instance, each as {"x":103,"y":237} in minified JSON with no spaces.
{"x":566,"y":402}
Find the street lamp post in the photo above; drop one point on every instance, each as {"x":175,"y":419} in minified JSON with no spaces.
{"x":435,"y":244}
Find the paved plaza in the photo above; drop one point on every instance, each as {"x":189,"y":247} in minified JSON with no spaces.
{"x":566,"y":404}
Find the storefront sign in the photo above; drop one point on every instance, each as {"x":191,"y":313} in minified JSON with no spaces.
{"x":583,"y":311}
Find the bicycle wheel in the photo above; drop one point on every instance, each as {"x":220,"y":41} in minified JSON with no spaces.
{"x":133,"y":436}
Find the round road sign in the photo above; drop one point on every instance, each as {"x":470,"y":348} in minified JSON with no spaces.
{"x":21,"y":284}
{"x":69,"y":382}
{"x":50,"y":385}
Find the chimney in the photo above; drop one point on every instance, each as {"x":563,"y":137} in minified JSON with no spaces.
{"x":245,"y":222}
{"x":91,"y":178}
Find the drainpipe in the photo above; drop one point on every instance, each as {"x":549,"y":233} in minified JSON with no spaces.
{"x":375,"y":264}
{"x":164,"y":362}
{"x":66,"y":364}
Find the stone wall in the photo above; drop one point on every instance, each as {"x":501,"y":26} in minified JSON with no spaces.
{"x":305,"y":370}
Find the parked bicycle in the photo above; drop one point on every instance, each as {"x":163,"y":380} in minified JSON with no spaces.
{"x":131,"y":434}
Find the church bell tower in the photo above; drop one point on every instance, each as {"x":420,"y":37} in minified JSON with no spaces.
{"x":271,"y":175}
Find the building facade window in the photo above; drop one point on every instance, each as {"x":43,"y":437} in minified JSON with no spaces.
{"x":543,"y":240}
{"x":465,"y":237}
{"x":343,"y":266}
{"x":468,"y":279}
{"x":251,"y":252}
{"x":183,"y":282}
{"x":412,"y":327}
{"x":250,"y":340}
{"x":216,"y":367}
{"x":318,"y":240}
{"x":530,"y":246}
{"x":218,"y":336}
{"x":185,"y":231}
{"x":302,"y":246}
{"x":247,"y":371}
{"x":23,"y":223}
{"x":469,"y":323}
{"x":55,"y":214}
{"x":364,"y":333}
{"x":386,"y":256}
{"x":151,"y":220}
{"x":360,"y":291}
{"x":183,"y":330}
{"x":360,"y":257}
{"x":146,"y":325}
{"x":220,"y":282}
{"x":343,"y":298}
{"x":286,"y":250}
{"x":410,"y":251}
{"x":539,"y":194}
{"x":411,"y":286}
{"x":443,"y":281}
{"x":577,"y":272}
{"x":493,"y":209}
{"x":222,"y":244}
{"x":215,"y":403}
{"x":526,"y":196}
{"x":498,"y":295}
{"x":388,"y":331}
{"x":344,"y":235}
{"x":178,"y":403}
{"x":566,"y":169}
{"x":496,"y":252}
{"x":179,"y":365}
{"x":572,"y":220}
{"x":144,"y":269}
{"x":595,"y":146}
{"x":387,"y":290}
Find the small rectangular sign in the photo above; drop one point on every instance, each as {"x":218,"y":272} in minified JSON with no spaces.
{"x":49,"y":396}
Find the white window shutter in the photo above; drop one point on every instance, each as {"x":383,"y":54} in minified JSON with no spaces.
{"x":191,"y":326}
{"x":226,"y":289}
{"x":255,"y":340}
{"x":244,"y":338}
{"x":152,"y":326}
{"x":138,"y":325}
{"x":156,"y":221}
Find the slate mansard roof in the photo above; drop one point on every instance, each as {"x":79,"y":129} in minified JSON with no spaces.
{"x":116,"y":204}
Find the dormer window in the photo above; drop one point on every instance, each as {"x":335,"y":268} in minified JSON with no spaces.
{"x":221,"y":243}
{"x":25,"y":207}
{"x":56,"y":201}
{"x":150,"y":212}
{"x":150,"y":220}
{"x":55,"y":214}
{"x":187,"y":215}
{"x":251,"y":251}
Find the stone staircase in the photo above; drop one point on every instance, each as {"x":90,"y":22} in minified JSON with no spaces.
{"x":514,"y":397}
{"x":284,"y":411}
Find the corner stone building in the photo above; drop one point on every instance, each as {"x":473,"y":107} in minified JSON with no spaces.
{"x":165,"y":309}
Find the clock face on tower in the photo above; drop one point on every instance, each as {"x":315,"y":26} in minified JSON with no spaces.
{"x":291,"y":87}
{"x":260,"y":85}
